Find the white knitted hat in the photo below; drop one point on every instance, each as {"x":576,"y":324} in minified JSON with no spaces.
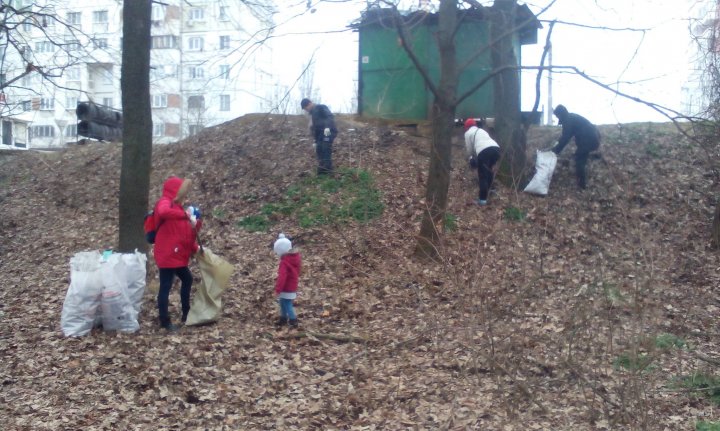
{"x":282,"y":245}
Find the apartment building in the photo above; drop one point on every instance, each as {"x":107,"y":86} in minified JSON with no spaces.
{"x":208,"y":65}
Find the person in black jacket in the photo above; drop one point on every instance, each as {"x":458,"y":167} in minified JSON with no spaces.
{"x":324,"y":132}
{"x":587,"y":140}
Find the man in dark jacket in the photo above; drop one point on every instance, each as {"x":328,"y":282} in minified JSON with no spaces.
{"x":324,"y":132}
{"x":587,"y":140}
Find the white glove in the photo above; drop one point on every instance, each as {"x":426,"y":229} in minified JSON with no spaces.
{"x":314,"y":146}
{"x":327,"y":131}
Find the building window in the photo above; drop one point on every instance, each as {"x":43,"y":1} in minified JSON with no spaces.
{"x":196,"y":72}
{"x":194,"y":129}
{"x":27,"y":25}
{"x":44,"y":46}
{"x":107,"y":75}
{"x":100,"y":16}
{"x":196,"y":14}
{"x":108,"y":101}
{"x":158,"y":12}
{"x":223,"y":14}
{"x":42,"y":131}
{"x":224,"y":102}
{"x":195,"y":43}
{"x":72,"y":45}
{"x":164,"y":42}
{"x":71,"y":130}
{"x":159,"y":101}
{"x":71,"y":101}
{"x":196,"y":102}
{"x":72,"y":73}
{"x":26,"y":105}
{"x":47,"y":103}
{"x":224,"y":42}
{"x":100,"y":43}
{"x":224,"y":71}
{"x":73,"y":18}
{"x":158,"y":129}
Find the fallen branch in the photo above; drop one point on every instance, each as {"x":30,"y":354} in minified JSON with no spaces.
{"x":707,"y":359}
{"x":334,"y":337}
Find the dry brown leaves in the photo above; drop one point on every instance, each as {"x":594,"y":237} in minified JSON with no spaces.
{"x":518,"y":327}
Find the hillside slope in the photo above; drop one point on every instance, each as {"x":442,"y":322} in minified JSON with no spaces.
{"x":544,"y":314}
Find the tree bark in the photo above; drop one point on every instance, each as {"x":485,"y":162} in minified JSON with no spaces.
{"x":137,"y":118}
{"x":443,"y":116}
{"x":508,"y":126}
{"x":716,"y":228}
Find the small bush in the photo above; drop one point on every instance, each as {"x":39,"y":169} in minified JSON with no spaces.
{"x":450,"y":222}
{"x":633,"y":362}
{"x":668,"y":341}
{"x":514,"y":214}
{"x":703,"y":384}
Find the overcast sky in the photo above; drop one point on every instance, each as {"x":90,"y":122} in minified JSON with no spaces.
{"x":652,"y":65}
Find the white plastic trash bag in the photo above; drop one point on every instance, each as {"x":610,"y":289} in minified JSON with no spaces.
{"x":118,"y":312}
{"x":135,"y":272}
{"x":544,"y":168}
{"x":82,"y":301}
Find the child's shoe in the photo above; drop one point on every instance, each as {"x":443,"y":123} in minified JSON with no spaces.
{"x":294,"y":323}
{"x":481,"y":202}
{"x":282,"y":321}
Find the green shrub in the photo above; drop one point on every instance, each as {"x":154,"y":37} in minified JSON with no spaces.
{"x":450,"y":222}
{"x":668,"y":341}
{"x":514,"y":214}
{"x":632,"y":362}
{"x":702,"y":384}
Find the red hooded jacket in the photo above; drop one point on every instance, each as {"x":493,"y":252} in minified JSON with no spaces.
{"x":288,"y":273}
{"x":175,"y":240}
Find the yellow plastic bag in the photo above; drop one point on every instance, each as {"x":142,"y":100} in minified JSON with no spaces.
{"x":215,"y":275}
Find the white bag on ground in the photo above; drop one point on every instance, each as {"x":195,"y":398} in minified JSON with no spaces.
{"x":83,"y":298}
{"x":215,"y":275}
{"x":544,"y":168}
{"x":135,"y":271}
{"x":118,"y":312}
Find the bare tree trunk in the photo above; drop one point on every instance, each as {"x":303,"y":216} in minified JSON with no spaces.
{"x":137,"y":133}
{"x":510,"y":132}
{"x":716,"y":228}
{"x":443,"y":116}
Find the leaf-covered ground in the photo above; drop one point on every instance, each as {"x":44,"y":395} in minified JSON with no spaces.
{"x":545,"y":313}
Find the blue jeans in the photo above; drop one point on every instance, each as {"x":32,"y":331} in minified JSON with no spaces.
{"x":286,"y":309}
{"x":166,"y":281}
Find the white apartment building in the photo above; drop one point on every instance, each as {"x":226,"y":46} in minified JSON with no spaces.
{"x":208,"y":65}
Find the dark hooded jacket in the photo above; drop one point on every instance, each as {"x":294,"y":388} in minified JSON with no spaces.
{"x":175,"y":241}
{"x":322,"y":119}
{"x":587,"y":137}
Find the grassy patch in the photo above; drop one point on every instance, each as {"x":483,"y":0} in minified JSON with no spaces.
{"x":255,"y":223}
{"x":702,"y":384}
{"x":613,"y":294}
{"x":633,"y":362}
{"x":219,"y":213}
{"x":514,"y":214}
{"x":653,"y":150}
{"x":450,"y":222}
{"x":707,"y":426}
{"x":669,"y":341}
{"x":316,"y":201}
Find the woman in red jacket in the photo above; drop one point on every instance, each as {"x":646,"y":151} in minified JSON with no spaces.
{"x":175,"y":243}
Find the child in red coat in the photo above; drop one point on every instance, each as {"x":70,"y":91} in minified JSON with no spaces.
{"x":287,"y":280}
